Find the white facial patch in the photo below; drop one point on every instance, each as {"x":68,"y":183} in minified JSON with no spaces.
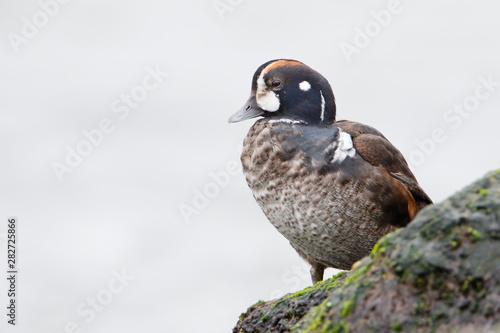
{"x":267,"y":100}
{"x":322,"y":116}
{"x":345,"y":148}
{"x":304,"y":86}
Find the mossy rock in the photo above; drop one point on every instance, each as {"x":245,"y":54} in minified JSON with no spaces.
{"x":439,"y":274}
{"x":281,"y":314}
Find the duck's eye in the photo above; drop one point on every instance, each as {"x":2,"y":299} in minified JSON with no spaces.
{"x":276,"y":83}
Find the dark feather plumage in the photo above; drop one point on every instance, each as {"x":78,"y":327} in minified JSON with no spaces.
{"x":331,"y":188}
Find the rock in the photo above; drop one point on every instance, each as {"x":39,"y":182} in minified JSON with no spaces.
{"x":279,"y":315}
{"x":439,"y":274}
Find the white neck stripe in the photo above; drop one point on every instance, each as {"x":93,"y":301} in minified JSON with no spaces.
{"x":322,"y":116}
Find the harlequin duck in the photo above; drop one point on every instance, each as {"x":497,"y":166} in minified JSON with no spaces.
{"x":332,"y":188}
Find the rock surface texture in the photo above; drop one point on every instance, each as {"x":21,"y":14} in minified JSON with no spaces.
{"x":439,"y":274}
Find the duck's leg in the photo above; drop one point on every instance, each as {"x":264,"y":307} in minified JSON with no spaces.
{"x":317,"y":271}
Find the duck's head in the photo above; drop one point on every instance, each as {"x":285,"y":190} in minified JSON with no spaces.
{"x":286,"y":88}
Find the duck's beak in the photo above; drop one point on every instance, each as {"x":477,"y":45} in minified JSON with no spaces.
{"x":248,"y":111}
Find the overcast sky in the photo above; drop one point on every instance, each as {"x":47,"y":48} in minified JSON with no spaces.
{"x":119,"y":163}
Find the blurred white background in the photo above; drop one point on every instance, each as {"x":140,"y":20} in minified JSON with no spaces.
{"x":67,"y":65}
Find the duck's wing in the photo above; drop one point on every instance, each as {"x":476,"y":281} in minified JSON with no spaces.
{"x":374,"y":148}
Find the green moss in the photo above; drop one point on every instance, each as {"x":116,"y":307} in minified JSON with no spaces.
{"x":483,"y":192}
{"x":474,"y":307}
{"x":472,"y":203}
{"x":424,"y":265}
{"x":243,"y":316}
{"x":417,"y":254}
{"x":339,"y":274}
{"x":356,"y":274}
{"x":477,"y":285}
{"x":318,"y":319}
{"x":475,"y":235}
{"x":421,"y":309}
{"x":348,"y":306}
{"x":367,"y":284}
{"x":264,"y":319}
{"x":428,"y":232}
{"x":466,"y":284}
{"x":333,"y":285}
{"x":448,"y":297}
{"x":328,"y":284}
{"x":377,"y":251}
{"x":397,"y":327}
{"x":439,"y":315}
{"x":320,"y":312}
{"x":399,"y":270}
{"x":421,"y":283}
{"x":300,"y":293}
{"x":379,"y":248}
{"x":340,"y":328}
